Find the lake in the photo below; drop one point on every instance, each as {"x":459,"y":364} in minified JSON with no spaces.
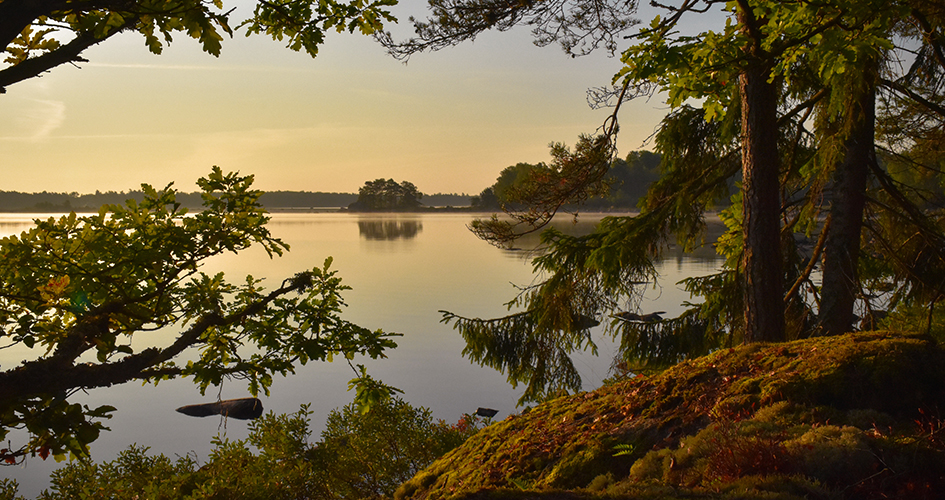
{"x":403,"y":269}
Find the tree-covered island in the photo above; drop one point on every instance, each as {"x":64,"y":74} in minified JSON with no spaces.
{"x":388,"y":195}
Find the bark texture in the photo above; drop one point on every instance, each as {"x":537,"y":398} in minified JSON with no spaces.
{"x":841,"y":251}
{"x":761,"y":263}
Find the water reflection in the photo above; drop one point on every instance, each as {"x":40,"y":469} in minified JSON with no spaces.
{"x":389,"y":229}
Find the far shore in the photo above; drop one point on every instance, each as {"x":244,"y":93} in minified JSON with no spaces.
{"x":422,"y":210}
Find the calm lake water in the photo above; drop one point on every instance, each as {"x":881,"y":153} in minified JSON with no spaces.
{"x":403,"y":269}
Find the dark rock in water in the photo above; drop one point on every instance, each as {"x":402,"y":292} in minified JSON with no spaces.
{"x":583,"y":322}
{"x":486,"y":412}
{"x":240,"y":409}
{"x":641,"y":318}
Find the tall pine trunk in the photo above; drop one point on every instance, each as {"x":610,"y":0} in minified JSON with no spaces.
{"x":764,"y":307}
{"x":761,"y":263}
{"x":842,"y":248}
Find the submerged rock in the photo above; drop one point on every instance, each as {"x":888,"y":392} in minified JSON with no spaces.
{"x":583,"y":322}
{"x":641,"y":318}
{"x":240,"y":409}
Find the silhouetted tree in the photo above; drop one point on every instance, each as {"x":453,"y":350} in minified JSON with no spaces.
{"x":487,"y":200}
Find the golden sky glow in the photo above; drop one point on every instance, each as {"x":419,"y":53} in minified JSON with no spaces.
{"x":448,"y":121}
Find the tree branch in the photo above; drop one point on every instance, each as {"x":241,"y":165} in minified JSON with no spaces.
{"x":902,"y":89}
{"x":16,"y":16}
{"x":811,"y":264}
{"x":68,"y":53}
{"x":931,"y":37}
{"x":57,"y":373}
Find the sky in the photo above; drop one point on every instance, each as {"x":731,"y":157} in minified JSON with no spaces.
{"x":448,"y":121}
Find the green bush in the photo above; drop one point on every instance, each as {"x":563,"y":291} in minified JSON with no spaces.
{"x":369,"y":456}
{"x":360,"y":455}
{"x":134,"y":474}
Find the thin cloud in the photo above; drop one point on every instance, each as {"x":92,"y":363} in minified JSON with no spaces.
{"x":43,"y":119}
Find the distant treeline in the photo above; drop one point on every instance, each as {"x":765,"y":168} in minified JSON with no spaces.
{"x":305,"y":199}
{"x":13,"y":201}
{"x":447,"y":200}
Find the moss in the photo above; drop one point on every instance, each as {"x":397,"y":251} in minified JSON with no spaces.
{"x":779,"y":487}
{"x":652,"y":465}
{"x":868,"y":419}
{"x":601,"y":482}
{"x":780,"y":421}
{"x":578,"y":468}
{"x":833,"y":455}
{"x":880,"y":371}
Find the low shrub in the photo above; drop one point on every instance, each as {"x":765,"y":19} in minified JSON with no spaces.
{"x":359,"y":456}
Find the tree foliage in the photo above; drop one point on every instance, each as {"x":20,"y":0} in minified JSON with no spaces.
{"x":537,"y":193}
{"x":369,"y":454}
{"x":785,"y":92}
{"x":39,"y":35}
{"x":625,"y":183}
{"x":578,"y":26}
{"x":80,"y":295}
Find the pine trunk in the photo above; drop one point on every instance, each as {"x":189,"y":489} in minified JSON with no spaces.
{"x":764,"y":307}
{"x":842,"y":248}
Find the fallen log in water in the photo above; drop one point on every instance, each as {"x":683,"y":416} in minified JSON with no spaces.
{"x":240,"y":409}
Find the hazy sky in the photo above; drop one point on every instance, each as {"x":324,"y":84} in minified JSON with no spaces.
{"x":448,"y":121}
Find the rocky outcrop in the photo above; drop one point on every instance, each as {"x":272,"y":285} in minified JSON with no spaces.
{"x":855,"y":416}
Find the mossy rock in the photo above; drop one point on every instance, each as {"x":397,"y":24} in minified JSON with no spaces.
{"x":781,"y":392}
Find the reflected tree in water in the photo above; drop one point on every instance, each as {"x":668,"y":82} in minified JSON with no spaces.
{"x":389,"y":229}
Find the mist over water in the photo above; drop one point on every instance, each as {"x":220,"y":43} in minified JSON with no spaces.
{"x":403,"y":269}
